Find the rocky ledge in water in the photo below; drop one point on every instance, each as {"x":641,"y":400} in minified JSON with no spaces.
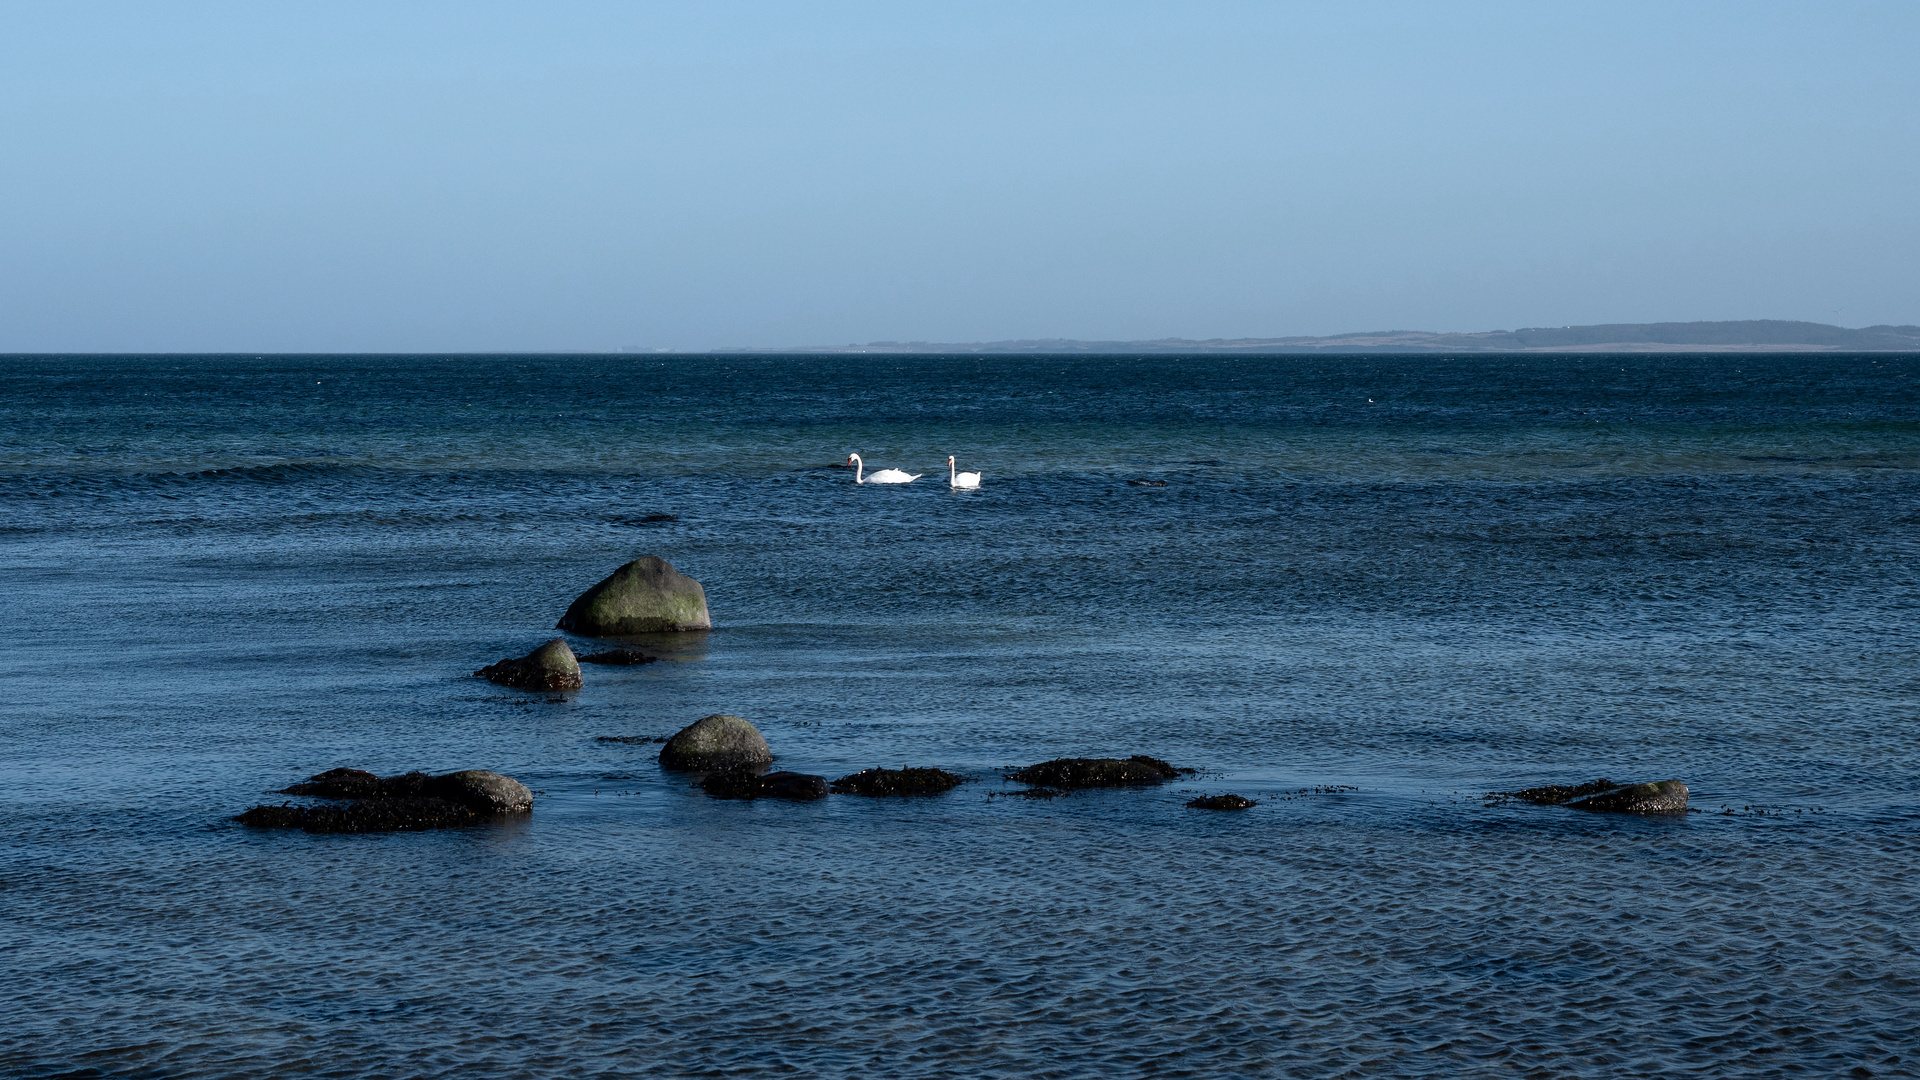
{"x":646,"y":596}
{"x":716,"y":742}
{"x":550,"y":667}
{"x":746,"y":782}
{"x":619,"y":657}
{"x":1221,"y":802}
{"x":1655,"y":797}
{"x":879,"y":783}
{"x":414,"y":800}
{"x":1073,"y":773}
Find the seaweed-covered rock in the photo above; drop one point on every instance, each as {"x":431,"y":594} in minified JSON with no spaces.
{"x":619,"y":657}
{"x":1552,"y":794}
{"x":1221,"y":802}
{"x":743,"y":782}
{"x":1657,"y":797}
{"x":410,"y":801}
{"x":646,"y":596}
{"x":1097,"y":772}
{"x":716,"y":742}
{"x":883,"y":782}
{"x":550,"y":667}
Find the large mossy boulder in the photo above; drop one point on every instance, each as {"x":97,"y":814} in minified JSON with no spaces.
{"x":365,"y":802}
{"x":550,"y":667}
{"x":646,"y":596}
{"x":1070,"y":773}
{"x":716,"y":742}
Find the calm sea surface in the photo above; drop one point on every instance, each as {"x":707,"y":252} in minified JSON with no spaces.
{"x":1372,"y":589}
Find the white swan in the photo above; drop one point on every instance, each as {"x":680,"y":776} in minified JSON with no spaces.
{"x":880,"y":476}
{"x":961,"y":479}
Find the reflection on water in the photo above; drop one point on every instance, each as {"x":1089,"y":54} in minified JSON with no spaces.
{"x":1682,"y":569}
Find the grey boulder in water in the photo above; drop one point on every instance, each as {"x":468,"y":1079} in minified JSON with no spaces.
{"x":550,"y":667}
{"x":1656,"y":797}
{"x":716,"y":742}
{"x":486,"y":792}
{"x":646,"y":596}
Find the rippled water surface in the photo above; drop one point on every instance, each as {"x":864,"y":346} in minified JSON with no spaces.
{"x":1372,"y":589}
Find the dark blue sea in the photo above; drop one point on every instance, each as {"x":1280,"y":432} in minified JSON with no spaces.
{"x":1372,"y":589}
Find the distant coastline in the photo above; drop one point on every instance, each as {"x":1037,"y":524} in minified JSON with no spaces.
{"x":1752,"y":335}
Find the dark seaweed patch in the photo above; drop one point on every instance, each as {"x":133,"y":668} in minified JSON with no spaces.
{"x":910,"y":781}
{"x":1221,"y":802}
{"x":1550,"y":794}
{"x":620,"y":657}
{"x":1097,"y":772}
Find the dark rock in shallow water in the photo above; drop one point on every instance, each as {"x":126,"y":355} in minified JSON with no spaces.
{"x":619,"y":657}
{"x":550,"y":667}
{"x":1097,"y":772}
{"x":1657,"y":797}
{"x":716,"y":742}
{"x":1221,"y":802}
{"x":395,"y":803}
{"x":746,"y":783}
{"x":882,"y":782}
{"x":486,"y":792}
{"x":646,"y":596}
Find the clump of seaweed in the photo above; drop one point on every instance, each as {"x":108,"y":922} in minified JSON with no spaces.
{"x":879,"y":783}
{"x":365,"y":815}
{"x":1221,"y":802}
{"x":1029,"y":793}
{"x":1550,"y":794}
{"x":619,"y":657}
{"x":746,"y":782}
{"x":1071,"y":773}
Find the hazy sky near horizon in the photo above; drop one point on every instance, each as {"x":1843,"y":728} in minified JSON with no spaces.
{"x":426,"y":176}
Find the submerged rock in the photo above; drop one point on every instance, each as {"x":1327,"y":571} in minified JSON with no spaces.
{"x":1657,"y":797}
{"x":410,"y":801}
{"x":744,"y":782}
{"x":646,"y":596}
{"x":883,"y":782}
{"x":1221,"y":802}
{"x":716,"y":742}
{"x":1097,"y":772}
{"x":550,"y":667}
{"x":619,"y":657}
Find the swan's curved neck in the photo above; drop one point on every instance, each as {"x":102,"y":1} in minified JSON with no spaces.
{"x":859,"y":468}
{"x":951,"y":476}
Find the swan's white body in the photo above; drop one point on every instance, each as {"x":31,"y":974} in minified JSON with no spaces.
{"x":880,"y":476}
{"x":961,"y":479}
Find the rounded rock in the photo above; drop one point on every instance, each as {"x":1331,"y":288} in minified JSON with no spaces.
{"x":716,"y":742}
{"x":646,"y":596}
{"x":487,"y":792}
{"x":550,"y":667}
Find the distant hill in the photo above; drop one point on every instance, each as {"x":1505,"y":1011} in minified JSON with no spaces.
{"x":1752,"y":335}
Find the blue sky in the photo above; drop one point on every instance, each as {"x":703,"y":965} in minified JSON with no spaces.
{"x":423,"y":176}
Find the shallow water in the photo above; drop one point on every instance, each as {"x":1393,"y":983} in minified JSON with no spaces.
{"x":226,"y":574}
